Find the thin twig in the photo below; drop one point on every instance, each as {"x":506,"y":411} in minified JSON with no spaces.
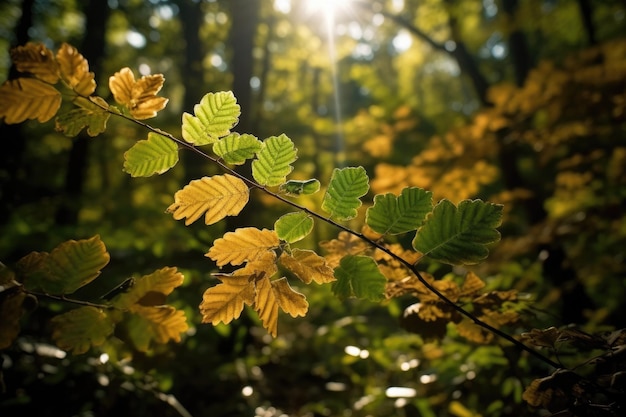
{"x":411,"y":267}
{"x":72,"y":300}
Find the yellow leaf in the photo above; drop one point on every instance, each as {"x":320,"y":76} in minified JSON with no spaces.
{"x":345,"y":244}
{"x":472,"y":285}
{"x":79,"y":329}
{"x":266,"y":305}
{"x":500,"y":318}
{"x":290,"y":301}
{"x":473,"y":332}
{"x":28,"y":98}
{"x":75,"y":70}
{"x":139,"y":96}
{"x":224,"y":302}
{"x":308,"y":266}
{"x":273,"y":294}
{"x":36,"y":59}
{"x":216,"y":197}
{"x":70,"y":266}
{"x":244,"y":244}
{"x":160,"y":324}
{"x":162,"y":281}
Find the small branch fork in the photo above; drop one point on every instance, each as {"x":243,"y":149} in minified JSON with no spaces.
{"x":411,"y":267}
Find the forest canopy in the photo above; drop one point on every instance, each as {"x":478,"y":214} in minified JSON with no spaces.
{"x":312,"y":208}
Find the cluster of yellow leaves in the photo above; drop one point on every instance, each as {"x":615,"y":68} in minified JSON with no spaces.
{"x":255,"y":283}
{"x":453,"y":166}
{"x":139,"y":96}
{"x":589,"y":380}
{"x":430,"y":315}
{"x":381,"y":134}
{"x":559,"y":105}
{"x":141,"y":310}
{"x":37,"y":96}
{"x":348,"y":244}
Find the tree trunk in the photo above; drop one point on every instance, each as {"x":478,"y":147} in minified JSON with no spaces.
{"x":518,"y":46}
{"x":586,"y":14}
{"x":245,"y":18}
{"x":191,"y":17}
{"x":11,"y":182}
{"x":92,"y":48}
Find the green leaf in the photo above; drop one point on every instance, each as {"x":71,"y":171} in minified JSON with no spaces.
{"x":458,"y":236}
{"x":68,"y":267}
{"x":216,"y":114}
{"x":88,"y":115}
{"x":155,"y":155}
{"x":236,"y":149}
{"x":298,"y":187}
{"x":273,"y":162}
{"x":346,"y":187}
{"x":359,"y":276}
{"x":394,"y":215}
{"x":80,"y":329}
{"x":293,"y":227}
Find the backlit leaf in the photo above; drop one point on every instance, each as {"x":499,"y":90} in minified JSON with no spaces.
{"x":67,"y":268}
{"x":158,"y":324}
{"x":80,"y":329}
{"x":225,"y":302}
{"x":36,"y":59}
{"x":215,"y":115}
{"x":88,"y":115}
{"x":289,"y":300}
{"x":459,"y":236}
{"x":75,"y":70}
{"x":472,"y":285}
{"x":28,"y":98}
{"x":307,"y":266}
{"x":162,"y":281}
{"x":293,"y":227}
{"x":266,"y":305}
{"x":270,"y":295}
{"x":273,"y":162}
{"x":155,"y":155}
{"x":236,"y":149}
{"x":346,"y":187}
{"x":216,"y":197}
{"x":139,"y":96}
{"x":358,"y":276}
{"x":473,"y":332}
{"x":394,"y":215}
{"x":244,"y":244}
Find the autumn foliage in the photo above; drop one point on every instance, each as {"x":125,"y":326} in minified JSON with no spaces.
{"x":419,"y":215}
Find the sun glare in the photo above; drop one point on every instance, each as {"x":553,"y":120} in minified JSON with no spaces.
{"x":328,"y":8}
{"x":323,"y":6}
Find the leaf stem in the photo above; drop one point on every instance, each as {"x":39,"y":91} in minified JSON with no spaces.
{"x":71,"y":300}
{"x":411,"y":267}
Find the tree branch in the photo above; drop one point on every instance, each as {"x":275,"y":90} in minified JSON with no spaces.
{"x":359,"y":235}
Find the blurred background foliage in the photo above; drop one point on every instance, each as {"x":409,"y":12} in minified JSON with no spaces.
{"x":517,"y":102}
